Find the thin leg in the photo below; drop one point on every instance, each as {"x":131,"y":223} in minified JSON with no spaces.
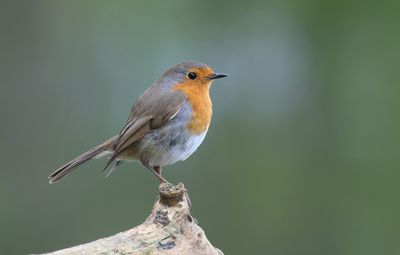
{"x":156,"y":170}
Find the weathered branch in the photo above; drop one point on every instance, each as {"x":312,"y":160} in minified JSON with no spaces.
{"x":170,"y":229}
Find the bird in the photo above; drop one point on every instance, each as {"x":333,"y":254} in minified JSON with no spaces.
{"x":167,"y":123}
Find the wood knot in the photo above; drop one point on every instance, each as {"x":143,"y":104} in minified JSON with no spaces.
{"x":162,"y":218}
{"x":170,"y":194}
{"x":167,"y":243}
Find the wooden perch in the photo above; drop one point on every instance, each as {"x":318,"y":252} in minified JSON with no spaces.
{"x":170,"y":229}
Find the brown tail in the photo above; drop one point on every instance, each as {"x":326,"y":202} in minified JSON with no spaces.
{"x":70,"y":166}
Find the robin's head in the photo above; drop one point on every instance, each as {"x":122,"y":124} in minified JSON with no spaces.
{"x":193,"y":79}
{"x":192,"y":73}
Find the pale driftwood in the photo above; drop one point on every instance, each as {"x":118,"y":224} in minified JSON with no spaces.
{"x":170,"y":229}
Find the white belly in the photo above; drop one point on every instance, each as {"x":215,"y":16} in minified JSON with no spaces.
{"x":179,"y":153}
{"x":171,"y":148}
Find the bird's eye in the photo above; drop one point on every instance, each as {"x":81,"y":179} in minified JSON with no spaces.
{"x":192,"y":75}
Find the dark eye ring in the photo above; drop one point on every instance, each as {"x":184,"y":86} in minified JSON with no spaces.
{"x":192,"y":75}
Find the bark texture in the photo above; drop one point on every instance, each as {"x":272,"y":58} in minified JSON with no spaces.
{"x":169,"y":229}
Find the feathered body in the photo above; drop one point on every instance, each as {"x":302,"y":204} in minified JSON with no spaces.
{"x":167,"y":123}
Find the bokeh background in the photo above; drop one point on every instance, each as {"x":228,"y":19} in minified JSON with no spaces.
{"x":303,"y":153}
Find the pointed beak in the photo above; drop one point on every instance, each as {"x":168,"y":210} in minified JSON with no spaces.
{"x":216,"y":76}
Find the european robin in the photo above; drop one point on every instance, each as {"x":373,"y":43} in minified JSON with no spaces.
{"x":167,"y":123}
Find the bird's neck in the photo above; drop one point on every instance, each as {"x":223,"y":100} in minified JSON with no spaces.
{"x":199,"y":98}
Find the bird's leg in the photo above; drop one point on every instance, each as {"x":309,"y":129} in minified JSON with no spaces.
{"x":156,"y":170}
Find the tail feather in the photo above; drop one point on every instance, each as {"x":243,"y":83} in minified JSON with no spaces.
{"x":70,"y":166}
{"x":110,"y":169}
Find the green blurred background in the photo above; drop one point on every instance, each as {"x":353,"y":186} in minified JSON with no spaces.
{"x":302,"y":156}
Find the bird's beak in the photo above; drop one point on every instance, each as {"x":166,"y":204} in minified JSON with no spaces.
{"x":216,"y":76}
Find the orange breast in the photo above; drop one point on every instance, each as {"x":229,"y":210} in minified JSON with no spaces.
{"x":199,"y":98}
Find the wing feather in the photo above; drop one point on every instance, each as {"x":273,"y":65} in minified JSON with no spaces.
{"x":152,"y":111}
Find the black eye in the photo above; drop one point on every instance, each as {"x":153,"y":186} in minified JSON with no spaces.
{"x":192,"y":75}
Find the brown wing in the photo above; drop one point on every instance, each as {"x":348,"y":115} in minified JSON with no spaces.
{"x":152,"y":110}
